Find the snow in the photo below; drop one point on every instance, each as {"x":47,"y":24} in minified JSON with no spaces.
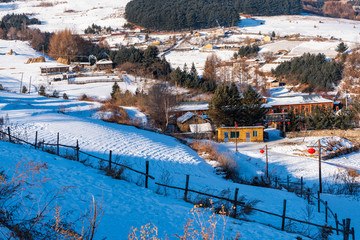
{"x":203,"y":127}
{"x":296,"y":99}
{"x":185,"y":117}
{"x":192,"y":106}
{"x":125,"y":204}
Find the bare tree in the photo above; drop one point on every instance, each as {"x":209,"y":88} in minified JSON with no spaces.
{"x":159,"y":103}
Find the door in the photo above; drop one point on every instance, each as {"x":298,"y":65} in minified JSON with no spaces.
{"x":248,"y":137}
{"x":226,"y":136}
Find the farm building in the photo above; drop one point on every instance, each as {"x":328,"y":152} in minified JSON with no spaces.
{"x":241,"y":134}
{"x":54,"y":68}
{"x":191,"y":122}
{"x":297,"y":103}
{"x":199,"y":108}
{"x":104,"y":64}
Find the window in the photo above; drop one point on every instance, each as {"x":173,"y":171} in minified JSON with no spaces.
{"x":255,"y":133}
{"x":234,"y":134}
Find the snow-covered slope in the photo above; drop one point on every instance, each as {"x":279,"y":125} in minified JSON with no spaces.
{"x":166,"y":155}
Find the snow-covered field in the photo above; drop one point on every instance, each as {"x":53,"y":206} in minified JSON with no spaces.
{"x":74,"y":15}
{"x":169,"y":161}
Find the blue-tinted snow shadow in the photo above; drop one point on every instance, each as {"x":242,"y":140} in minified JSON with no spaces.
{"x":7,"y":7}
{"x":250,"y":22}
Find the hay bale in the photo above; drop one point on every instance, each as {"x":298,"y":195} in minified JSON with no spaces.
{"x":63,"y":61}
{"x":36,"y":60}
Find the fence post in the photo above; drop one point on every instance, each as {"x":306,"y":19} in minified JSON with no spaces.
{"x":288,"y":182}
{"x":301,"y":186}
{"x":283,"y":217}
{"x":77,"y":150}
{"x":57,"y":144}
{"x":337,"y":224}
{"x":308,"y":195}
{"x":276,"y":182}
{"x":9,"y":134}
{"x":186,"y":186}
{"x":36,"y":137}
{"x":318,"y":193}
{"x":147,"y":174}
{"x":326,"y":212}
{"x":346,"y":227}
{"x":235,"y":202}
{"x":353,"y":233}
{"x":110,"y":154}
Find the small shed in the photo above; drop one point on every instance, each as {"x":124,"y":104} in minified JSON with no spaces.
{"x":267,"y":39}
{"x":191,"y":122}
{"x":54,"y":68}
{"x":104,"y":64}
{"x":241,"y":134}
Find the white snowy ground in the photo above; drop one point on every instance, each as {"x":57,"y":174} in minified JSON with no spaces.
{"x":346,"y":30}
{"x":30,"y":113}
{"x":75,"y":15}
{"x":13,"y":69}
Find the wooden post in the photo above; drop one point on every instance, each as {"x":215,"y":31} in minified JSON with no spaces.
{"x":288,"y":181}
{"x":30,"y":85}
{"x":326,"y":212}
{"x":276,"y":182}
{"x":320,"y":182}
{"x":283,"y":217}
{"x":301,"y":186}
{"x":77,"y":150}
{"x":57,"y":144}
{"x":235,"y":202}
{"x":110,"y":154}
{"x":147,"y":174}
{"x":337,"y":224}
{"x":9,"y":134}
{"x":36,"y":137}
{"x":348,"y":227}
{"x":22,"y":75}
{"x":186,"y":186}
{"x":318,"y":193}
{"x":267,"y":161}
{"x":353,"y":233}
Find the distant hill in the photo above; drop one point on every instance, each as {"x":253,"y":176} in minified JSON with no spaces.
{"x":196,"y":14}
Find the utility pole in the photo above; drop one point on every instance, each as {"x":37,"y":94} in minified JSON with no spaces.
{"x":22,"y":75}
{"x":267,"y":161}
{"x":320,"y":182}
{"x":30,"y":85}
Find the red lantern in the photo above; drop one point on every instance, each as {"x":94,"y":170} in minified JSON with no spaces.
{"x":236,"y":125}
{"x":288,"y":123}
{"x":262,"y":151}
{"x":311,"y":151}
{"x":270,"y":124}
{"x":279,"y":123}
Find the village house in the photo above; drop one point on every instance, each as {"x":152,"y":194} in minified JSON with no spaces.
{"x":104,"y":64}
{"x":241,"y":134}
{"x":54,"y":68}
{"x":297,"y":104}
{"x":200,"y":108}
{"x":191,"y":122}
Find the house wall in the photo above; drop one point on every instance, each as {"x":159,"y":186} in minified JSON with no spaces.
{"x":299,"y":108}
{"x":185,"y":127}
{"x":242,"y":134}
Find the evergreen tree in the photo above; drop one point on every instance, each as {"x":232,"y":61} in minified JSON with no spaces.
{"x":42,"y":90}
{"x":341,"y":47}
{"x":252,"y":109}
{"x":65,"y":96}
{"x":115,"y":91}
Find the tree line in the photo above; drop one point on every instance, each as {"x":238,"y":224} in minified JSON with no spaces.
{"x":311,"y":69}
{"x":181,"y":14}
{"x":196,"y":14}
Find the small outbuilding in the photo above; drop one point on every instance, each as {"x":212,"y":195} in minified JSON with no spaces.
{"x":191,"y":122}
{"x":241,"y":134}
{"x":104,"y":64}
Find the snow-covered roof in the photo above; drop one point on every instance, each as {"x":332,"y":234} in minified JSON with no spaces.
{"x":204,"y":127}
{"x":192,"y":106}
{"x":104,"y":61}
{"x":185,"y":117}
{"x":295,"y":100}
{"x":52,"y":65}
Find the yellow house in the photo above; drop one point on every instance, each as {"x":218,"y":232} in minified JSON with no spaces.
{"x":209,"y":46}
{"x":267,"y":39}
{"x":156,"y":42}
{"x":241,"y":134}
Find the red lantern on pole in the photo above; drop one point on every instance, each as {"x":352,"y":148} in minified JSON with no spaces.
{"x":236,"y":125}
{"x":311,"y":151}
{"x":279,"y":123}
{"x":262,"y":151}
{"x":270,"y":123}
{"x":288,"y":123}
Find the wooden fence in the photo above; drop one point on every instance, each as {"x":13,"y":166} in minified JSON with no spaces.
{"x":343,"y":227}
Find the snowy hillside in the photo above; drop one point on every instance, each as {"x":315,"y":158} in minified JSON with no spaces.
{"x":169,"y":159}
